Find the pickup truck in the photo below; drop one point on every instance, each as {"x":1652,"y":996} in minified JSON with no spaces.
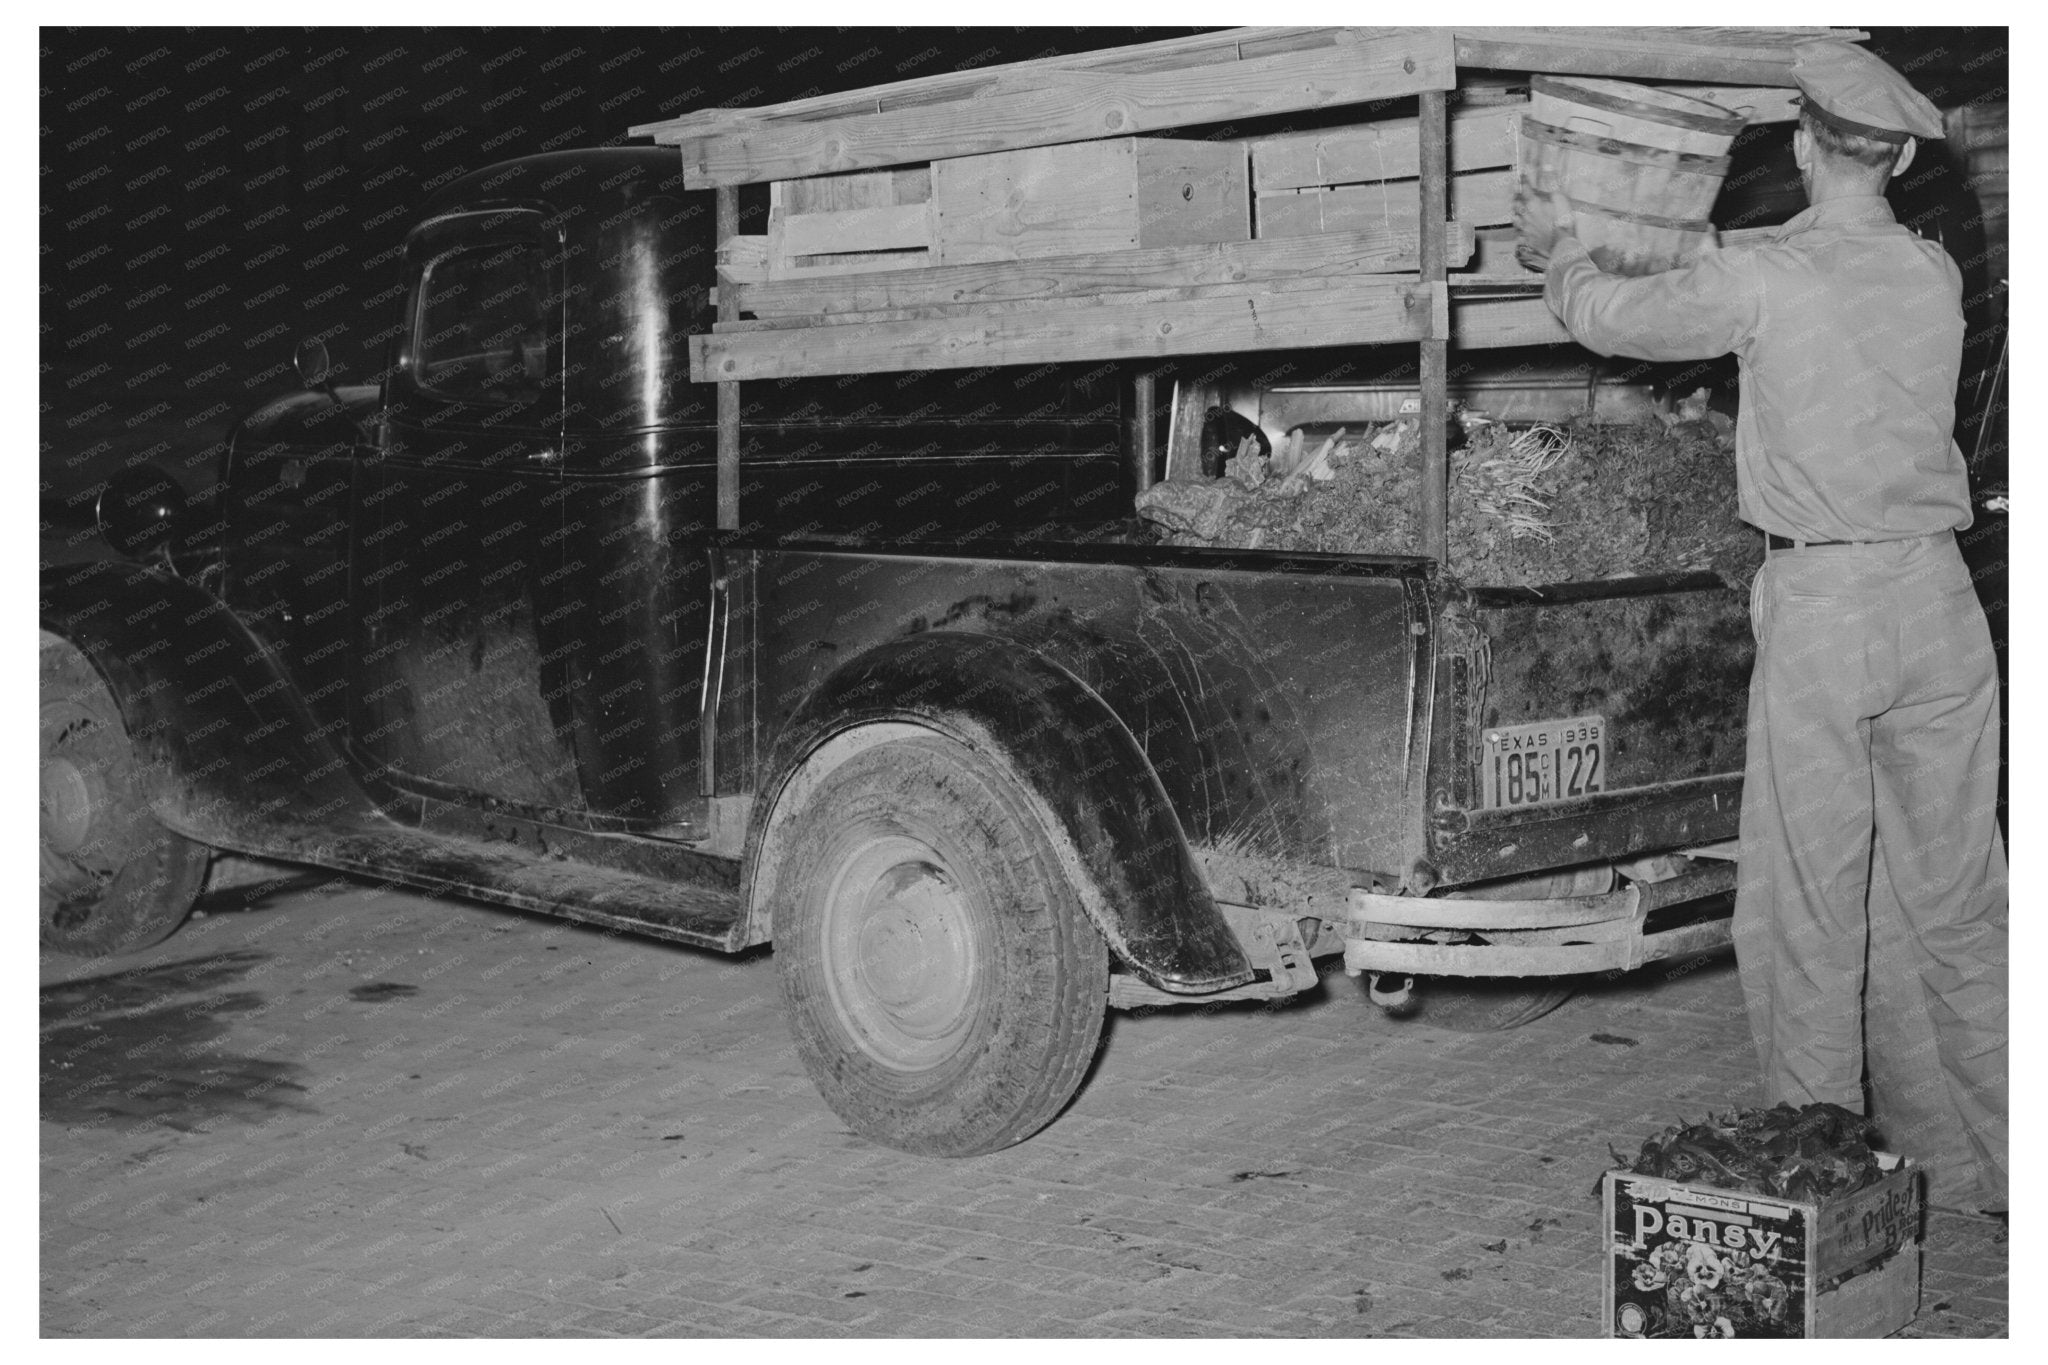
{"x":976,"y":757}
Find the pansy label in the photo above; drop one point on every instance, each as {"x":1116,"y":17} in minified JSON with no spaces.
{"x":1690,"y":1263}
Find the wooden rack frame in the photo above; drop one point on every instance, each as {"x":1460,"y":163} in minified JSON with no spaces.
{"x":1369,"y":282}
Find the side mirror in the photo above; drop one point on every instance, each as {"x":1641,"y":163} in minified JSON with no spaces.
{"x":310,"y":360}
{"x":139,"y":509}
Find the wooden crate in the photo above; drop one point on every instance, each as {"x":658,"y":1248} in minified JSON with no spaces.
{"x":1846,"y":1266}
{"x":1481,"y":138}
{"x":1117,"y":194}
{"x":832,"y":224}
{"x":1367,"y":176}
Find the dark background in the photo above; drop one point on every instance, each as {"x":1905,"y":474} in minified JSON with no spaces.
{"x":208,"y":197}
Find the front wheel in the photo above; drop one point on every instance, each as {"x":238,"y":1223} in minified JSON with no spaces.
{"x":113,"y":880}
{"x":944,"y":985}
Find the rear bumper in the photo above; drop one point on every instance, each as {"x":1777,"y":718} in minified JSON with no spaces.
{"x":1565,"y":937}
{"x":1479,"y":845}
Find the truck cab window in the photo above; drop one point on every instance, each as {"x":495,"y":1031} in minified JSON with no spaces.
{"x":483,"y":324}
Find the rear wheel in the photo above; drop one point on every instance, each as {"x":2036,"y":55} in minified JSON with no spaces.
{"x":944,"y":985}
{"x":112,"y":879}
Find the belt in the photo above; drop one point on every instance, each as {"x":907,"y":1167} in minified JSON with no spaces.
{"x":1778,"y":542}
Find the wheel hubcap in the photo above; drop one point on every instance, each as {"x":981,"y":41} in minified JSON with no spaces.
{"x":71,"y":793}
{"x":901,"y":953}
{"x":67,"y":805}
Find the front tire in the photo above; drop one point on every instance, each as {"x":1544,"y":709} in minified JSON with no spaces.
{"x":113,"y":880}
{"x":944,"y":985}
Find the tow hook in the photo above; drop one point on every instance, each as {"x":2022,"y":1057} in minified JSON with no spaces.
{"x":1394,"y":994}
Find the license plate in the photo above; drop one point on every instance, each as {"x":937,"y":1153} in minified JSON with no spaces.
{"x":1552,"y":760}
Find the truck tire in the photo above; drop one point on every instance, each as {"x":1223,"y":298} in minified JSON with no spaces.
{"x":944,"y":985}
{"x":113,"y":880}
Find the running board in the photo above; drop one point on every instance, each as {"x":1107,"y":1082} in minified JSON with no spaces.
{"x":523,"y":876}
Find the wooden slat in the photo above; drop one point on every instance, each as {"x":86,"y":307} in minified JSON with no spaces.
{"x":1140,"y":443}
{"x":1334,"y":254}
{"x":726,"y":208}
{"x":861,"y":190}
{"x":1477,"y":324}
{"x":1387,"y":150}
{"x":1191,"y":401}
{"x":1479,"y":198}
{"x":1433,"y":139}
{"x":1171,"y":293}
{"x":1348,"y":313}
{"x":873,"y":229}
{"x":1405,"y":62}
{"x":832,"y":267}
{"x":1612,"y":44}
{"x":1169,"y":54}
{"x":1717,"y":56}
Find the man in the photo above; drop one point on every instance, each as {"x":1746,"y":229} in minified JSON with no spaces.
{"x":1870,"y":917}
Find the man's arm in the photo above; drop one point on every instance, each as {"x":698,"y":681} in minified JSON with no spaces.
{"x":1698,"y":311}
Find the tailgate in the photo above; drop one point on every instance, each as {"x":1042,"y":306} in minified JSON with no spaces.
{"x":1586,"y":721}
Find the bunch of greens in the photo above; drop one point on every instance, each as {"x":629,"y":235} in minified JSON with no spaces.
{"x":1561,"y":504}
{"x":1814,"y":1152}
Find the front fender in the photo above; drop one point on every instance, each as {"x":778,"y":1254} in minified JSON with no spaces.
{"x":223,"y":739}
{"x":1123,"y":843}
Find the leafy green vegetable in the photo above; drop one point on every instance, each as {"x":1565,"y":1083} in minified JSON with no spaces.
{"x":1811,"y":1153}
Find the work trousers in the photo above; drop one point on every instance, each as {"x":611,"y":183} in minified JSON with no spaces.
{"x":1870,"y":913}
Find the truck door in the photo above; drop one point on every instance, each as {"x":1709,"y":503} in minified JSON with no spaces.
{"x":457,"y":522}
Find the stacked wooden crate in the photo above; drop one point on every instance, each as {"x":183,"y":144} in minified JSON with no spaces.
{"x":1366,"y":176}
{"x":1029,"y":212}
{"x":1084,"y":198}
{"x":1029,"y":217}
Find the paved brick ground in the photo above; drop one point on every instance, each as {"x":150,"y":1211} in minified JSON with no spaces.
{"x":345,"y":1111}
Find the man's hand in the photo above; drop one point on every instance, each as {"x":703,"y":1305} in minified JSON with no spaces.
{"x":1539,"y":218}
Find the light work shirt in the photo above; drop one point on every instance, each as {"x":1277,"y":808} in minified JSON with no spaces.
{"x":1848,"y":329}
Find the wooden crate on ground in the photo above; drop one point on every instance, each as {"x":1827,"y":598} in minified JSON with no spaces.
{"x":1697,"y":1261}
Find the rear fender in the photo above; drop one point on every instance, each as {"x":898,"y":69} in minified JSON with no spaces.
{"x":222,"y":738}
{"x":1113,"y":829}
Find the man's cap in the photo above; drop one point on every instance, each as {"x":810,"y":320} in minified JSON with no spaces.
{"x":1855,"y":91}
